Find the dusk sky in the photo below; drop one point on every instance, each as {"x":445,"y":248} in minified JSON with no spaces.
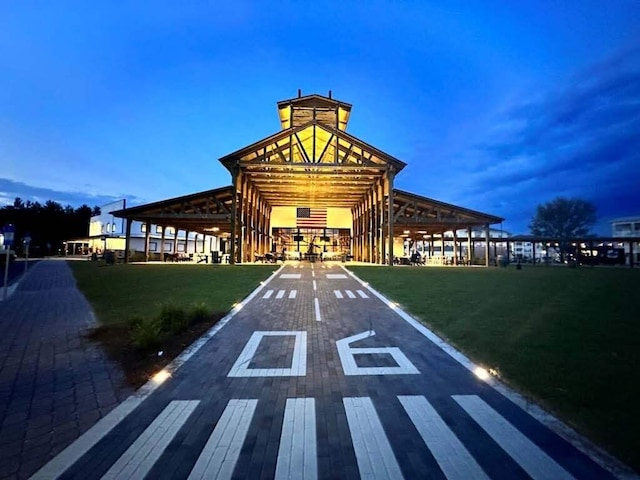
{"x":496,"y":106}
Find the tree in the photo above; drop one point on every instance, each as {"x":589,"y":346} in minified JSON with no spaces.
{"x":562,"y":219}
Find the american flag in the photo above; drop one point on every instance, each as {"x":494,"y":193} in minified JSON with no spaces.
{"x":311,"y":217}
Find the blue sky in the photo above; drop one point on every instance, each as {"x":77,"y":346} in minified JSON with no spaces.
{"x":496,"y":106}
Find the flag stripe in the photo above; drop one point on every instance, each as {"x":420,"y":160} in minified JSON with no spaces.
{"x":311,"y":217}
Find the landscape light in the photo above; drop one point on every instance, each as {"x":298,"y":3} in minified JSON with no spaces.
{"x":161,"y":376}
{"x":481,"y":373}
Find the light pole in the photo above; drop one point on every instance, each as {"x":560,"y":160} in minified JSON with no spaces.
{"x":26,"y":241}
{"x":8,"y":231}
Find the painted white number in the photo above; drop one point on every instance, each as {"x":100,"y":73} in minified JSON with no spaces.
{"x":298,"y":364}
{"x":405,"y":367}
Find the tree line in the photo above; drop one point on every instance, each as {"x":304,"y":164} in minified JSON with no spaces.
{"x":48,"y":224}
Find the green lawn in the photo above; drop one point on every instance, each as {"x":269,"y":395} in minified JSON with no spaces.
{"x":118,"y":292}
{"x":570,"y":338}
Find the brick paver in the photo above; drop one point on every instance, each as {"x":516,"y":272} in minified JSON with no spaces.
{"x":294,"y":388}
{"x":54,"y":384}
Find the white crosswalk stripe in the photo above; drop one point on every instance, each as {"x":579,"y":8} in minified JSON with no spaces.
{"x":527,"y":454}
{"x":297,"y":454}
{"x":220,"y":454}
{"x":139,"y":458}
{"x":373,"y":452}
{"x":350,"y":294}
{"x":335,"y":276}
{"x":280,"y":294}
{"x":452,"y":457}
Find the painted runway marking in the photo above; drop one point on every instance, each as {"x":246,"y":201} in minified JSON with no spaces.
{"x":280,"y":294}
{"x":526,"y":453}
{"x":298,"y":363}
{"x":335,"y":276}
{"x":292,"y":293}
{"x":291,"y":275}
{"x":297,"y":454}
{"x":268,"y":294}
{"x":373,"y":451}
{"x":139,"y":458}
{"x":338,"y":294}
{"x":350,"y":294}
{"x":314,"y":285}
{"x":220,"y":455}
{"x":317,"y":309}
{"x":362,"y":294}
{"x":347,"y":357}
{"x":453,"y":458}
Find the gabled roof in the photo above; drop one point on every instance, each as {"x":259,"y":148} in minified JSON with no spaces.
{"x":423,"y":214}
{"x":197,"y":212}
{"x":312,"y":164}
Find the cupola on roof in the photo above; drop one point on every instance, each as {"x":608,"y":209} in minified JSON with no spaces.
{"x":304,"y":109}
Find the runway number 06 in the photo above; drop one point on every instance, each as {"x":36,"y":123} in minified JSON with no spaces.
{"x":299,"y":361}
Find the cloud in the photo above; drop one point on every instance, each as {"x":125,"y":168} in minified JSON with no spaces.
{"x":10,"y":189}
{"x":581,"y":139}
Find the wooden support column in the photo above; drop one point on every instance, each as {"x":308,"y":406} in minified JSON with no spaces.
{"x":164,"y":229}
{"x":469,"y":246}
{"x":630,"y":253}
{"x":380,"y":231}
{"x":455,"y":247}
{"x":486,"y":245}
{"x":234,"y":215}
{"x":127,"y":240}
{"x":242,"y":238}
{"x":372,"y":228}
{"x":175,"y":240}
{"x":147,"y":234}
{"x":254,"y":223}
{"x":390,"y":174}
{"x":442,"y":257}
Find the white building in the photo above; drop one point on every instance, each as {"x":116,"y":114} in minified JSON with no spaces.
{"x":107,"y":232}
{"x":627,"y":228}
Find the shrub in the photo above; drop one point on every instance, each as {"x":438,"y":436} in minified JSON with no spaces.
{"x":173,"y":319}
{"x":147,"y":334}
{"x":198,"y":313}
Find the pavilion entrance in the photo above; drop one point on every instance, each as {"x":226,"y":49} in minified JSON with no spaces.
{"x":311,"y":243}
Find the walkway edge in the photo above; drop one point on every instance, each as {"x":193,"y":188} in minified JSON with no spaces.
{"x":81,"y":445}
{"x":586,"y":446}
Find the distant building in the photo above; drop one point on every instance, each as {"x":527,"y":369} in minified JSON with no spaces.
{"x":107,"y":232}
{"x":627,"y":228}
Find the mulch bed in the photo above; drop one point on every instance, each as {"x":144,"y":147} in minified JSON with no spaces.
{"x":139,"y":366}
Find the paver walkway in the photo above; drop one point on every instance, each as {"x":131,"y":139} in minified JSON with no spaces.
{"x":54,"y":384}
{"x":316,"y":376}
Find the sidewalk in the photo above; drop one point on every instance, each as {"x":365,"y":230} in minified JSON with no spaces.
{"x":54,"y":384}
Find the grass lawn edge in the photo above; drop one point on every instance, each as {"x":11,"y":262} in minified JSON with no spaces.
{"x":529,"y":402}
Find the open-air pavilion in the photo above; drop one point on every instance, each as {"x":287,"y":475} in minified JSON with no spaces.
{"x":315,"y":185}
